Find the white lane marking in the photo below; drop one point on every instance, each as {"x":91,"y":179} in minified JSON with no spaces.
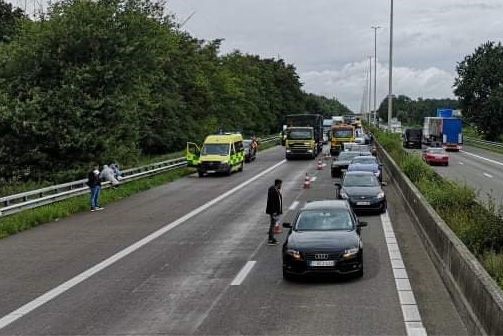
{"x":483,"y":158}
{"x":53,"y":293}
{"x":461,"y":162}
{"x":411,"y":315}
{"x":488,"y":175}
{"x":294,"y":205}
{"x":313,"y":178}
{"x":243,"y":273}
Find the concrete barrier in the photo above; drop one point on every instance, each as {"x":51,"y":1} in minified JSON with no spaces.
{"x":476,"y":295}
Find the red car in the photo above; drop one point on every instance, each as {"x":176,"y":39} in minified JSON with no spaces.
{"x":436,"y":156}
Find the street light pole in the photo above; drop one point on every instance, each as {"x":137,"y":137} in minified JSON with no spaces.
{"x":390,"y":93}
{"x":370,"y":88}
{"x":375,"y":71}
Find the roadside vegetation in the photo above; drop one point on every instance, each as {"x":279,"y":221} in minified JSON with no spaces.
{"x":479,"y":227}
{"x":93,"y":82}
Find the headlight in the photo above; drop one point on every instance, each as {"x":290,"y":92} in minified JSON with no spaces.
{"x":288,"y":151}
{"x":344,"y":195}
{"x":380,"y":195}
{"x":294,"y":254}
{"x":350,"y":252}
{"x":309,"y":150}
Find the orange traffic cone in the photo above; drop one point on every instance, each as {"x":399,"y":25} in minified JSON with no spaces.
{"x":320,"y":165}
{"x":277,"y":229}
{"x":307,"y":182}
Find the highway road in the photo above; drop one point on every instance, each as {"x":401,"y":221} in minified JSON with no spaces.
{"x":480,"y":169}
{"x":190,"y":258}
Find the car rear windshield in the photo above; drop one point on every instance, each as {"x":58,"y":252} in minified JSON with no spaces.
{"x":358,"y":180}
{"x":364,"y":160}
{"x":436,"y":150}
{"x":215,"y":149}
{"x":324,"y":220}
{"x":347,"y":156}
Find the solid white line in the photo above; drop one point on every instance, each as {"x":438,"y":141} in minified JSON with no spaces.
{"x":48,"y":296}
{"x":243,"y":273}
{"x":483,"y":158}
{"x":488,"y":175}
{"x":411,"y":316}
{"x":461,"y":163}
{"x":294,"y":205}
{"x":313,"y":178}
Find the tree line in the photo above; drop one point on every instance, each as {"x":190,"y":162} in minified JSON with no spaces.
{"x":95,"y":81}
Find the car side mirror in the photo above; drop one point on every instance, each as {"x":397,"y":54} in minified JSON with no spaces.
{"x":338,"y":185}
{"x":363,"y":224}
{"x":287,"y":225}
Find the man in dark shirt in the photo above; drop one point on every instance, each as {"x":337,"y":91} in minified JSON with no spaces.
{"x":94,"y":184}
{"x":274,"y":208}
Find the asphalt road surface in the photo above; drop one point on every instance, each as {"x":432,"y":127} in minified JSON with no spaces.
{"x":209,"y":270}
{"x":480,"y":169}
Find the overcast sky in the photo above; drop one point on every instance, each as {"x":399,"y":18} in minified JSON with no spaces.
{"x":329,"y":40}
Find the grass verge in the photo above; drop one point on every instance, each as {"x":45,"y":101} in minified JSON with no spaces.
{"x":30,"y":218}
{"x":480,"y":228}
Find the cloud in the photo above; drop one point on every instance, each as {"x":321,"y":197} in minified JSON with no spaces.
{"x":349,"y":83}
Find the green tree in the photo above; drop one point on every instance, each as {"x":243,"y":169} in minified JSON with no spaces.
{"x":10,"y":20}
{"x":479,"y":86}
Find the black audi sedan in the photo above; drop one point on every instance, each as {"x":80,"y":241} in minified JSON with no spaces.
{"x":324,"y":238}
{"x":363,"y":191}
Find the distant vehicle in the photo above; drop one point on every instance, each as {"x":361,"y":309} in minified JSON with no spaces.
{"x":313,"y":121}
{"x":340,"y":134}
{"x":436,"y":156}
{"x":366,"y":163}
{"x":412,"y":138}
{"x":327,"y":126}
{"x":349,"y":119}
{"x":220,"y":153}
{"x":250,"y":150}
{"x":340,"y":165}
{"x":337,"y":120}
{"x":445,"y":132}
{"x":363,"y":191}
{"x":300,"y":142}
{"x":325,"y":237}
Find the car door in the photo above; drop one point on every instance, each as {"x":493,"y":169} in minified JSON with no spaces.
{"x":192,"y":154}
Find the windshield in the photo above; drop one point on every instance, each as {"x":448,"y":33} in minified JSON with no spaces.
{"x":300,"y":134}
{"x":215,"y":149}
{"x":436,"y":151}
{"x":358,"y":180}
{"x":324,"y":220}
{"x":364,"y":160}
{"x":343,"y":133}
{"x":247,"y":142}
{"x":347,"y":156}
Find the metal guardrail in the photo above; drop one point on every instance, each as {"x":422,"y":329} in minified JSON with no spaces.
{"x":483,"y":142}
{"x":32,"y":199}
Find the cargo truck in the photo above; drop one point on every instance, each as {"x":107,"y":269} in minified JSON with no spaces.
{"x":313,"y":121}
{"x":445,"y":132}
{"x":339,"y":135}
{"x":412,"y":138}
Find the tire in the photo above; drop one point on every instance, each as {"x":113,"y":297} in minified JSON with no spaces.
{"x":229,"y":171}
{"x":288,"y":157}
{"x":201,"y":174}
{"x":242,"y":166}
{"x":384,"y":208}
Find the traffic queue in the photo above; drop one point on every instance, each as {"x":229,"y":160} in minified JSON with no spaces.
{"x":325,"y":236}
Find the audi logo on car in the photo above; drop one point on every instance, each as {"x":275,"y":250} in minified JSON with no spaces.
{"x":321,"y":256}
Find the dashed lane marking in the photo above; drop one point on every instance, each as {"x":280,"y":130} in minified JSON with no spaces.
{"x":238,"y":280}
{"x":294,"y":205}
{"x":55,"y":292}
{"x":483,"y":158}
{"x":488,"y":175}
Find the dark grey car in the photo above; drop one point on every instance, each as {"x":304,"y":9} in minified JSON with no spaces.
{"x":340,"y":165}
{"x":363,"y":191}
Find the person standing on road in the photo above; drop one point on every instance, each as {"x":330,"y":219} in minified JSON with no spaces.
{"x":274,"y":208}
{"x":94,"y":184}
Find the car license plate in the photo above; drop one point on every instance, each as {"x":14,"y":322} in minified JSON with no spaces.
{"x":211,"y":171}
{"x":322,"y":263}
{"x":362,"y":203}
